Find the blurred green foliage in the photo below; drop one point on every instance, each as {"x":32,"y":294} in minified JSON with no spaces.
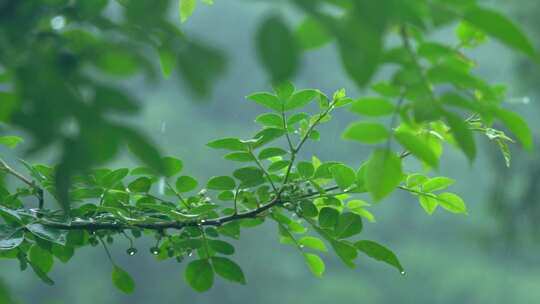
{"x":360,"y":61}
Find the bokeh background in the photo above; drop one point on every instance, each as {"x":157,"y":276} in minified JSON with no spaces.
{"x":488,"y":256}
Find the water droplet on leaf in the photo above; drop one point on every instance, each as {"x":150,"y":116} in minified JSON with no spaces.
{"x":58,"y":22}
{"x":131,"y":251}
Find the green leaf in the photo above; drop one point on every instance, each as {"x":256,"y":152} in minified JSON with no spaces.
{"x":42,"y":275}
{"x":114,"y":177}
{"x":278,"y":165}
{"x":144,"y":150}
{"x":228,"y":270}
{"x":41,"y":258}
{"x":345,"y":251}
{"x":462,"y":134}
{"x":267,"y":135}
{"x":343,"y":175}
{"x":122,"y":280}
{"x":452,"y":202}
{"x":167,"y":61}
{"x":173,"y":166}
{"x":309,"y":209}
{"x":10,"y":141}
{"x":437,"y":183}
{"x":271,"y":152}
{"x":373,"y":106}
{"x":518,"y":126}
{"x":221,"y":183}
{"x":366,"y":132}
{"x":229,"y":143}
{"x":186,"y":9}
{"x":315,"y":264}
{"x":328,"y":217}
{"x":428,"y":203}
{"x":10,"y":237}
{"x":221,"y":247}
{"x":185,"y":184}
{"x":270,"y":120}
{"x":380,"y":253}
{"x":500,"y":27}
{"x":300,"y":99}
{"x":284,"y":90}
{"x":49,"y":234}
{"x":199,"y":275}
{"x":311,"y":34}
{"x":141,"y":184}
{"x":268,"y":100}
{"x":348,"y":224}
{"x":239,"y":157}
{"x":305,"y":169}
{"x":296,"y":118}
{"x":249,"y":176}
{"x":63,"y":253}
{"x":361,"y":50}
{"x":10,"y":215}
{"x":277,"y":49}
{"x":313,"y":243}
{"x":417,"y":147}
{"x":383,"y":173}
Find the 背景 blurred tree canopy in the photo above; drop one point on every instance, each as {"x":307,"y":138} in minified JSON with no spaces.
{"x":65,"y":70}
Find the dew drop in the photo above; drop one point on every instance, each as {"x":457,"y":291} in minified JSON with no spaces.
{"x":58,"y":22}
{"x":301,"y":246}
{"x":131,"y":251}
{"x":403,"y":273}
{"x":190,"y":253}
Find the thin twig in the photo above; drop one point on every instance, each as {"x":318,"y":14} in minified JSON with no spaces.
{"x":24,"y":179}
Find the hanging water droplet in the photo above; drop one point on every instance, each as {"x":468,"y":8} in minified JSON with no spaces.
{"x":403,"y":273}
{"x":131,"y":251}
{"x":154,"y":250}
{"x":301,"y":246}
{"x":58,"y":22}
{"x":161,"y":186}
{"x":203,"y":221}
{"x":190,"y":253}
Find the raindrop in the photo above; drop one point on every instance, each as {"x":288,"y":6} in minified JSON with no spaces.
{"x":58,"y":22}
{"x":301,"y":246}
{"x":161,"y":186}
{"x":190,"y":253}
{"x":203,"y":221}
{"x":403,"y":273}
{"x":154,"y":250}
{"x":131,"y":251}
{"x":163,"y":127}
